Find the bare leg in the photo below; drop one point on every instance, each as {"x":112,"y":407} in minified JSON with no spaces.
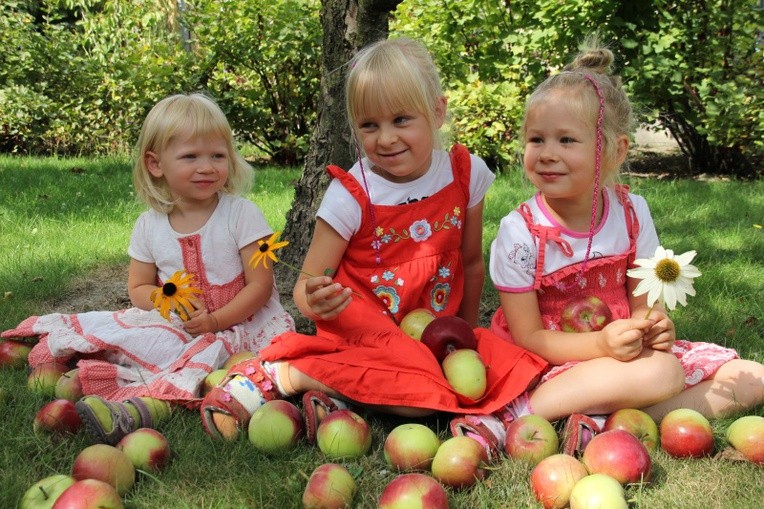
{"x":736,"y":386}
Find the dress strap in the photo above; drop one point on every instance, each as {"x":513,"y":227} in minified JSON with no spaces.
{"x":350,"y":183}
{"x":632,"y":223}
{"x":544,"y":234}
{"x":461,"y":167}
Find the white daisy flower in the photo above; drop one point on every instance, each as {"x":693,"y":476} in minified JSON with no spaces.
{"x":665,"y":278}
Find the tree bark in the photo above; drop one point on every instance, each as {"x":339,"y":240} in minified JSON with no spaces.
{"x":347,"y":26}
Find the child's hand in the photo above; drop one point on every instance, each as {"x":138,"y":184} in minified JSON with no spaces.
{"x":326,"y":298}
{"x":662,"y":334}
{"x":200,"y":321}
{"x":623,"y":339}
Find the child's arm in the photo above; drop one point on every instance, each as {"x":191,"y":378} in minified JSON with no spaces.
{"x":320,"y":297}
{"x":141,"y":281}
{"x":620,"y":339}
{"x":473,"y":264}
{"x":661,"y":335}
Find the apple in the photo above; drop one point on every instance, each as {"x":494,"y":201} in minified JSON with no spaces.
{"x":411,"y":447}
{"x":553,"y":478}
{"x":213,"y":379}
{"x":276,"y":427}
{"x":57,"y":416}
{"x":343,"y":434}
{"x":236,"y":359}
{"x":413,"y":491}
{"x":330,"y":486}
{"x":465,"y":371}
{"x":44,"y":493}
{"x":43,"y":377}
{"x":147,"y":449}
{"x":618,"y":454}
{"x":69,"y":386}
{"x":636,"y":422}
{"x":461,"y":461}
{"x":414,"y":322}
{"x":445,"y":334}
{"x":598,"y":491}
{"x":107,"y":464}
{"x":14,"y":354}
{"x":530,"y":438}
{"x":89,"y":494}
{"x":686,"y":433}
{"x":585,"y":314}
{"x":746,"y":435}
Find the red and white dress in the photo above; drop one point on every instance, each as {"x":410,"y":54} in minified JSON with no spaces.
{"x":533,"y":252}
{"x":362,"y":354}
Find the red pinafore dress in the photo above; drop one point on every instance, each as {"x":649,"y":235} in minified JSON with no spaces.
{"x":362,"y":354}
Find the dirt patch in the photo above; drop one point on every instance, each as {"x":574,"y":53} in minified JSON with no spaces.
{"x":101,"y":289}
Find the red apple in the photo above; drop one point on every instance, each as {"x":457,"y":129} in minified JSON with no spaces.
{"x":620,"y":455}
{"x":237,"y":358}
{"x":585,"y":314}
{"x":69,"y":386}
{"x":276,"y":427}
{"x":686,"y":433}
{"x":461,"y":461}
{"x":213,"y":379}
{"x":14,"y":354}
{"x":553,"y":478}
{"x":330,"y":486}
{"x":58,"y":416}
{"x":411,"y":447}
{"x":636,"y":422}
{"x":343,"y":434}
{"x":89,"y":494}
{"x":147,"y":449}
{"x":598,"y":491}
{"x":465,"y":371}
{"x":43,"y":377}
{"x":107,"y":464}
{"x":445,"y":334}
{"x":44,"y":493}
{"x":413,"y":491}
{"x":414,"y":322}
{"x":746,"y":435}
{"x":530,"y":438}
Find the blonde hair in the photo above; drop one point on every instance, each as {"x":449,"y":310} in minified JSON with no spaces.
{"x":586,"y":78}
{"x":393,"y":75}
{"x":184,"y":116}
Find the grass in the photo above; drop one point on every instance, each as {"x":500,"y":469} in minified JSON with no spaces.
{"x":63,"y":220}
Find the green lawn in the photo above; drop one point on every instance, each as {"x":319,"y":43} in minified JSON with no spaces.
{"x":62,"y":220}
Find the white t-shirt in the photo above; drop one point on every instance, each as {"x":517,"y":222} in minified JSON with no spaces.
{"x":343,"y":213}
{"x":514,"y":251}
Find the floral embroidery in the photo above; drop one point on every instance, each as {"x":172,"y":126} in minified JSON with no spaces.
{"x":601,"y":280}
{"x":619,"y":277}
{"x":399,"y":281}
{"x":389,"y":297}
{"x":444,"y":272}
{"x":388,"y":275}
{"x":379,"y":231}
{"x":374,"y":278}
{"x":439,"y":296}
{"x":457,"y":211}
{"x":420,"y":230}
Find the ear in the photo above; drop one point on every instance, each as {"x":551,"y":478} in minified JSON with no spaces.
{"x":151,"y":161}
{"x":621,"y":149}
{"x":440,"y":111}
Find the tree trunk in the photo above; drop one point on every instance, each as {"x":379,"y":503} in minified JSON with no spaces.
{"x":347,"y":26}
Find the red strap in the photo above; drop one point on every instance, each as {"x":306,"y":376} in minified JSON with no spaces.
{"x":632,"y":223}
{"x":543,"y":234}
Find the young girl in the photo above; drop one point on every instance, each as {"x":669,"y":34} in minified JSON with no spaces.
{"x":577,"y":237}
{"x":189,"y":173}
{"x":401,"y":230}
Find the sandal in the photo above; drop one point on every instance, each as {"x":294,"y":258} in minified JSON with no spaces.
{"x":122,"y":421}
{"x":489,"y":430}
{"x":578,"y":431}
{"x":244,"y":389}
{"x":315,"y":406}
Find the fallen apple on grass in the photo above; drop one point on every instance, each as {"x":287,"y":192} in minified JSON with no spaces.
{"x":415,"y":321}
{"x":618,"y":454}
{"x":636,"y":422}
{"x":330,"y":486}
{"x":531,"y":438}
{"x":58,"y":416}
{"x":43,"y":378}
{"x":69,"y":386}
{"x":14,"y":354}
{"x":445,"y":334}
{"x":553,"y":478}
{"x":105,"y":463}
{"x":585,"y":314}
{"x":746,"y":435}
{"x":276,"y":427}
{"x":44,"y":493}
{"x":213,"y":379}
{"x":147,"y":449}
{"x":466,"y":373}
{"x":686,"y":433}
{"x":460,"y":462}
{"x":89,"y":494}
{"x":411,"y":447}
{"x":413,"y":491}
{"x":343,"y":434}
{"x":598,"y":491}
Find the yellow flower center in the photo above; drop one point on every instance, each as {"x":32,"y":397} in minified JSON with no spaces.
{"x":667,"y":270}
{"x":169,"y":289}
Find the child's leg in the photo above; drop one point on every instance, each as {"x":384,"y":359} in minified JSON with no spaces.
{"x":109,"y":421}
{"x":736,"y":386}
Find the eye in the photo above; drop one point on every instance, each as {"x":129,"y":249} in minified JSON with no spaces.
{"x":535,"y":140}
{"x":367,"y":126}
{"x":219,"y":156}
{"x":400,"y":120}
{"x":567,"y":139}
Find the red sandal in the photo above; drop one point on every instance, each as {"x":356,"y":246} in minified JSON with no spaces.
{"x":579,"y":429}
{"x":315,"y":406}
{"x":486,"y":429}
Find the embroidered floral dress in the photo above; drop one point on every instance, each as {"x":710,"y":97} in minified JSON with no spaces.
{"x":606,"y":278}
{"x":362,"y":354}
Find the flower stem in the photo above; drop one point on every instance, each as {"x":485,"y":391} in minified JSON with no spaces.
{"x":650,"y":311}
{"x":309,"y":274}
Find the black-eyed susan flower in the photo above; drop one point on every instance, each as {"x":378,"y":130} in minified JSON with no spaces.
{"x":175,"y":295}
{"x":665,"y":278}
{"x":267,"y":249}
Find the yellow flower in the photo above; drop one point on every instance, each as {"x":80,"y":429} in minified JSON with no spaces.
{"x":175,"y":295}
{"x":267,"y":247}
{"x":665,"y":278}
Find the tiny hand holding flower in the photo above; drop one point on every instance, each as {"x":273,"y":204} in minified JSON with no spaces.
{"x":665,"y":278}
{"x":176,"y":295}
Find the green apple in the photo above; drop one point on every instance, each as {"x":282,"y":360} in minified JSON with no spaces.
{"x":43,"y":493}
{"x":530,"y":438}
{"x":105,"y":463}
{"x":461,"y":461}
{"x":330,"y":486}
{"x":465,"y":371}
{"x":343,"y":434}
{"x":147,"y":449}
{"x":213,"y":379}
{"x":415,"y":321}
{"x":69,"y":386}
{"x":411,"y":447}
{"x":598,"y":491}
{"x":43,"y":377}
{"x":746,"y":435}
{"x":276,"y":427}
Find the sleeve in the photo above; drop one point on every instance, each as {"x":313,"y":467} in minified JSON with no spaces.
{"x":248,"y":223}
{"x":513,"y":256}
{"x":481,"y":179}
{"x":647,"y":240}
{"x":140,"y":246}
{"x":340,"y":210}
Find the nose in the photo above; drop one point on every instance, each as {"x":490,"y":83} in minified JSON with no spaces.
{"x":547,"y":153}
{"x":387,"y":135}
